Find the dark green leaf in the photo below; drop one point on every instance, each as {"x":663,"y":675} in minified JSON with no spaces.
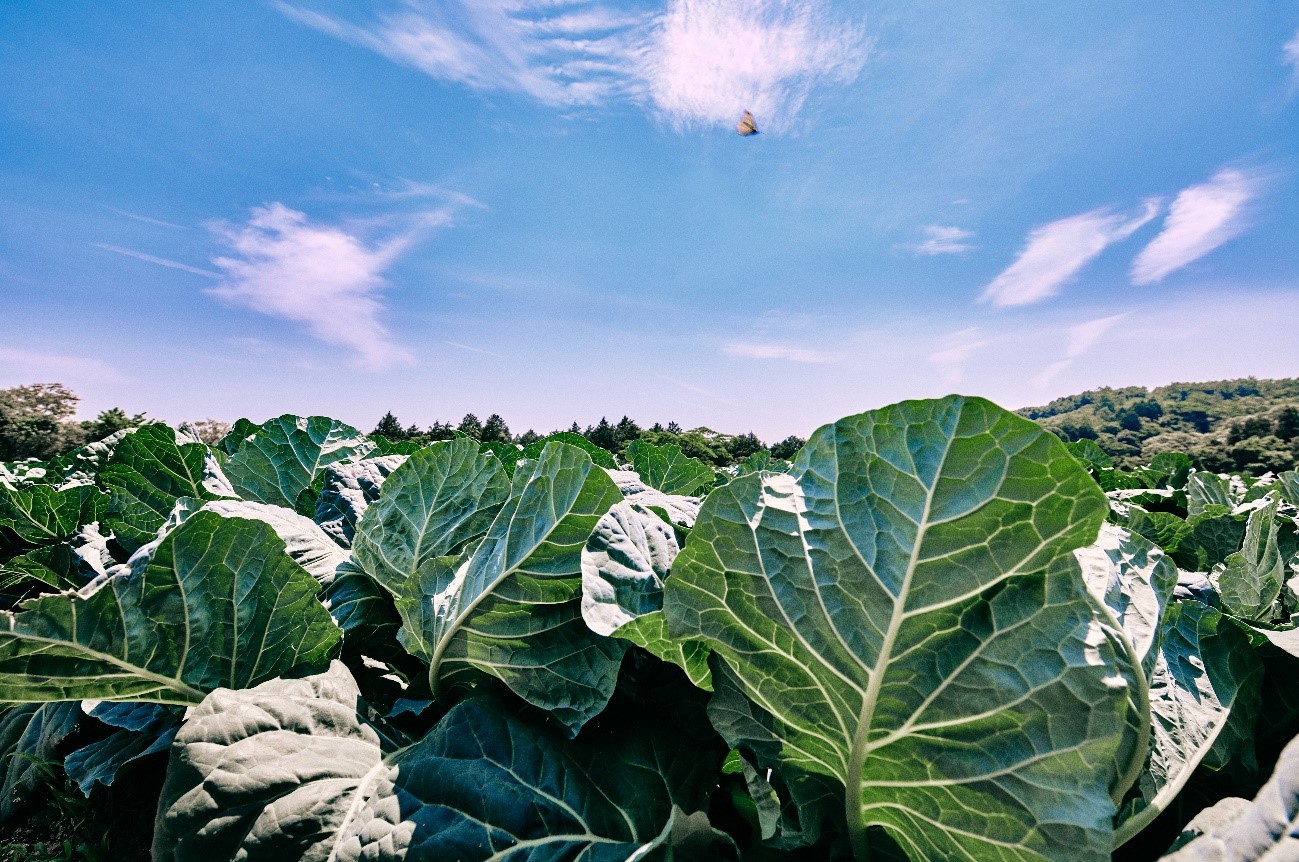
{"x":29,"y":736}
{"x":43,"y":515}
{"x":510,"y":606}
{"x":904,"y":606}
{"x":218,"y":602}
{"x":667,"y":469}
{"x":282,"y":459}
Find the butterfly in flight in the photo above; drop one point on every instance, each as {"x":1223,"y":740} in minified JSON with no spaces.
{"x":746,"y":126}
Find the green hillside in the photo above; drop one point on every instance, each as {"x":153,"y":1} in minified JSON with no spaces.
{"x":1245,"y":425}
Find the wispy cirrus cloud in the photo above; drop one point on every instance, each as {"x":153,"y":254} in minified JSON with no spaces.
{"x":772,"y":350}
{"x":710,"y":59}
{"x":570,"y":54}
{"x":694,"y":63}
{"x":1057,"y":251}
{"x":1079,"y":339}
{"x":1201,"y":218}
{"x":1290,"y":54}
{"x":958,"y":348}
{"x":940,"y":239}
{"x":287,"y":266}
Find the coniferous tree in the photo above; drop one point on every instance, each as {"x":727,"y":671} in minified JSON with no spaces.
{"x":625,"y":431}
{"x":440,"y":431}
{"x":471,"y":426}
{"x":575,"y":429}
{"x":603,"y":435}
{"x":390,"y":428}
{"x":744,"y":445}
{"x":495,"y":430}
{"x":527,"y":438}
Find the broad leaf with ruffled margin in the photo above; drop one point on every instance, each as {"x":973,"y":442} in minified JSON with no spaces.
{"x":899,"y":606}
{"x":217,"y":603}
{"x":509,"y":605}
{"x":30,"y":735}
{"x":43,"y":515}
{"x":624,"y":564}
{"x":1265,"y":830}
{"x":140,"y":730}
{"x":1250,"y":579}
{"x":148,"y":472}
{"x":281,"y":460}
{"x":347,"y":490}
{"x":287,"y":771}
{"x":670,"y":470}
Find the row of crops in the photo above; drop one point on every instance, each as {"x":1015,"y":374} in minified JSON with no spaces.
{"x":939,"y":633}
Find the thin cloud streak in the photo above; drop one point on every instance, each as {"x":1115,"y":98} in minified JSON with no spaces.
{"x":1200,"y":219}
{"x":761,"y":350}
{"x":940,"y":239}
{"x":475,"y":349}
{"x":1056,"y":252}
{"x":286,"y":266}
{"x":698,"y":63}
{"x":154,"y":259}
{"x":146,"y":219}
{"x":962,"y":345}
{"x":1079,"y":340}
{"x":1290,"y":53}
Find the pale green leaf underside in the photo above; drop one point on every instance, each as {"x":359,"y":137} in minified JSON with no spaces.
{"x":624,"y":564}
{"x":1266,"y":830}
{"x":218,"y":603}
{"x":889,"y":603}
{"x":1203,"y":667}
{"x":286,"y":771}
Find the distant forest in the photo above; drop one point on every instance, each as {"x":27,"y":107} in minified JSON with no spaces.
{"x":1245,"y":425}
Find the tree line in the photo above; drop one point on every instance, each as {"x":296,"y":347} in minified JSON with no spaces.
{"x":707,"y":445}
{"x":36,"y":422}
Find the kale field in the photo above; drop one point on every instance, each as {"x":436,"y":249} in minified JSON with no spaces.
{"x":938,"y":632}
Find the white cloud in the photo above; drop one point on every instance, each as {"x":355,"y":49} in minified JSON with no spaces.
{"x":1078,"y":340}
{"x":559,"y":55}
{"x":159,"y":261}
{"x":699,"y":62}
{"x":1201,"y":218}
{"x":960,"y":347}
{"x":943,"y":240}
{"x":1083,"y":337}
{"x":289,"y":267}
{"x":1057,"y":251}
{"x":710,"y":60}
{"x":767,"y":350}
{"x":1290,"y":53}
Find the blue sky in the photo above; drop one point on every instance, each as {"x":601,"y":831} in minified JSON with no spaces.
{"x":542,"y":208}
